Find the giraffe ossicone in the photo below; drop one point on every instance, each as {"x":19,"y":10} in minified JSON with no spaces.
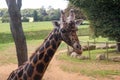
{"x":35,"y":67}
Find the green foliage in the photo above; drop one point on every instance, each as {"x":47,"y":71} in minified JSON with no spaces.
{"x":78,"y":12}
{"x":46,"y":18}
{"x":3,"y":11}
{"x":55,"y":14}
{"x":27,"y":12}
{"x":104,"y":16}
{"x":25,"y":19}
{"x":5,"y":18}
{"x":83,"y":31}
{"x":35,"y":15}
{"x":40,"y":14}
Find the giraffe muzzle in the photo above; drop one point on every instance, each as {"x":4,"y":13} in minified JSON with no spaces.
{"x":77,"y":48}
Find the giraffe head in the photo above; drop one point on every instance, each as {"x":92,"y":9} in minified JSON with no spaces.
{"x":68,"y":29}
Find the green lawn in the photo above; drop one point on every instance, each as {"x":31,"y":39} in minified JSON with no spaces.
{"x":33,"y":26}
{"x":33,"y":31}
{"x":36,"y":31}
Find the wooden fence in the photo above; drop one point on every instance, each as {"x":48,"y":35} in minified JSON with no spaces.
{"x":98,"y":45}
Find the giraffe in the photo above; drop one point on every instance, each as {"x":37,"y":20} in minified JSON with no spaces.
{"x":35,"y":67}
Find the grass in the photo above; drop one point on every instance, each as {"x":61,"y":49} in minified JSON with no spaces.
{"x":101,"y":73}
{"x":33,"y":26}
{"x":37,"y":31}
{"x":33,"y":31}
{"x":91,"y":67}
{"x":4,"y":28}
{"x":93,"y":54}
{"x":89,"y":72}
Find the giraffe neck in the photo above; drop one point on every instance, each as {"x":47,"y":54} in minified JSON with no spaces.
{"x":34,"y":69}
{"x":45,"y":52}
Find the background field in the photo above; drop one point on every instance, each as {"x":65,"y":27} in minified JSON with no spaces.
{"x":35,"y":33}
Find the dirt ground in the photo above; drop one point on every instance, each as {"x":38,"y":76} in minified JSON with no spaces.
{"x":53,"y":72}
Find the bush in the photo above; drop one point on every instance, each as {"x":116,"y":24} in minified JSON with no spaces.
{"x":46,"y":18}
{"x":25,"y":19}
{"x":5,"y":19}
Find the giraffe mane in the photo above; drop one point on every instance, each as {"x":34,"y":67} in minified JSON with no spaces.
{"x":37,"y":49}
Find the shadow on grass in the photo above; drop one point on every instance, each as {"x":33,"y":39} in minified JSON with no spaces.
{"x":31,"y":35}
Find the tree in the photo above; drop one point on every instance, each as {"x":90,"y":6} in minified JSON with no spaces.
{"x":104,"y":16}
{"x":78,"y":11}
{"x":25,"y":19}
{"x":43,"y":11}
{"x":5,"y":17}
{"x":3,"y":11}
{"x":27,"y":12}
{"x":35,"y":15}
{"x":16,"y":29}
{"x":54,"y":14}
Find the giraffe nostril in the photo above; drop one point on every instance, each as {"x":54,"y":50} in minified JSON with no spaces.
{"x":77,"y":46}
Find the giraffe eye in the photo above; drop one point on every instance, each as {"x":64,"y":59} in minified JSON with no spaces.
{"x":63,"y":30}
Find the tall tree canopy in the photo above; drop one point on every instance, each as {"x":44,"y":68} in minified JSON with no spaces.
{"x":78,"y":12}
{"x":104,"y":16}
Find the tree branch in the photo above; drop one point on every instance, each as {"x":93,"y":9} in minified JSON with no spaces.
{"x":11,"y":3}
{"x":7,"y":1}
{"x":19,"y":4}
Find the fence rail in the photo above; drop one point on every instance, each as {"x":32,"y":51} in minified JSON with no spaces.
{"x":104,"y":45}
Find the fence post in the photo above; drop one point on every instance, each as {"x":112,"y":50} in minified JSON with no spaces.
{"x":89,"y":49}
{"x":107,"y":50}
{"x":68,"y":50}
{"x":117,"y":47}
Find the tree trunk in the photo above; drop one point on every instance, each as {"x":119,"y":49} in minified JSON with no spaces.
{"x":118,"y":46}
{"x":17,"y":31}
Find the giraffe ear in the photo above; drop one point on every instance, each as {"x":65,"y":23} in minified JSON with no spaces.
{"x":78,"y":22}
{"x":56,"y":24}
